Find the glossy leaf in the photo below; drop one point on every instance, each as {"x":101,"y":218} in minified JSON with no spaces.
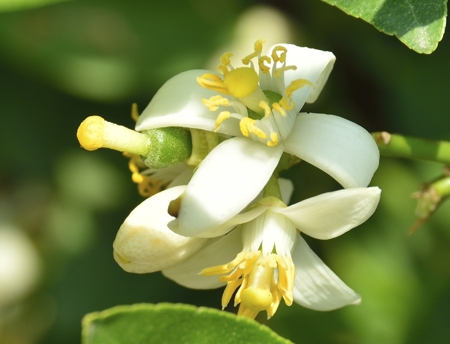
{"x":419,"y":24}
{"x":173,"y":323}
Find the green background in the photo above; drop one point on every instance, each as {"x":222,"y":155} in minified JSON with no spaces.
{"x":63,"y":62}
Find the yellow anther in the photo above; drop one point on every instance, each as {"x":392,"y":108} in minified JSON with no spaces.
{"x":223,"y":69}
{"x":137,"y":178}
{"x":147,"y":186}
{"x":286,"y":104}
{"x":257,"y":51}
{"x":265,"y":106}
{"x":295,"y":85}
{"x":262,"y":67}
{"x":241,"y":82}
{"x":247,"y":126}
{"x":134,"y":112}
{"x":214,"y":102}
{"x":279,"y":71}
{"x":224,"y":115}
{"x":279,"y":54}
{"x":279,"y":109}
{"x":274,"y":140}
{"x":212,"y":82}
{"x":225,"y":59}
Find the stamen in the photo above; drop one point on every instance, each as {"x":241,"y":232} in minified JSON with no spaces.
{"x":225,"y":59}
{"x":213,"y":82}
{"x":286,"y":102}
{"x":274,"y":140}
{"x":262,"y":67}
{"x":224,"y":115}
{"x":265,"y":106}
{"x":279,"y":109}
{"x":229,"y":291}
{"x":214,"y":102}
{"x":279,"y":71}
{"x":295,"y":85}
{"x":134,"y":112}
{"x":147,"y":186}
{"x":247,"y":126}
{"x":279,"y":57}
{"x":257,"y":51}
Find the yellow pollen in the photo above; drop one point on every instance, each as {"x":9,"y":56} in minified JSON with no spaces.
{"x":265,"y":106}
{"x":278,"y":108}
{"x":241,"y":82}
{"x":262,"y":67}
{"x":279,"y":71}
{"x":213,"y":82}
{"x":214,"y":102}
{"x":224,"y":115}
{"x":225,"y":59}
{"x":295,"y":85}
{"x":286,"y":104}
{"x":279,"y":54}
{"x":257,"y":51}
{"x":223,"y":69}
{"x":147,"y":186}
{"x":247,"y":126}
{"x":274,"y":138}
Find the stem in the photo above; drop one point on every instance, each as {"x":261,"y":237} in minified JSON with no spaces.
{"x":272,"y":188}
{"x":412,"y":148}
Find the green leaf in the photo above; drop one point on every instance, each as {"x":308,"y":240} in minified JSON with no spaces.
{"x":419,"y":24}
{"x":173,"y":323}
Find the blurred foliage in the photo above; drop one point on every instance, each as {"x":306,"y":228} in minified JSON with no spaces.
{"x":64,"y":62}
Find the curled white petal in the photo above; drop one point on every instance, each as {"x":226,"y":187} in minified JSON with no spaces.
{"x":229,"y":178}
{"x":331,"y":214}
{"x":316,"y":286}
{"x":178,"y":103}
{"x":312,"y":65}
{"x":341,"y":148}
{"x":145,"y":244}
{"x":215,"y":252}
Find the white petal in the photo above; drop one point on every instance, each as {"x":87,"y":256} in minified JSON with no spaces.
{"x":286,"y":188}
{"x":341,"y":148}
{"x":316,"y":286}
{"x":226,"y":226}
{"x":312,"y":65}
{"x":145,"y":244}
{"x":229,"y":178}
{"x":215,"y":252}
{"x":331,"y":214}
{"x":178,"y":103}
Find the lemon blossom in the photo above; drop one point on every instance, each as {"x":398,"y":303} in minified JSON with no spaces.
{"x":258,"y":106}
{"x":262,"y":260}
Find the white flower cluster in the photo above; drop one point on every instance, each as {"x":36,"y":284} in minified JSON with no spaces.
{"x":227,"y":223}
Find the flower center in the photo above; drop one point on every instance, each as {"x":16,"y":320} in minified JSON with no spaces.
{"x":255,"y":276}
{"x":260,"y":117}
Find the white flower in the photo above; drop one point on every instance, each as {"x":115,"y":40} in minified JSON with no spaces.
{"x":264,"y":258}
{"x":261,"y":111}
